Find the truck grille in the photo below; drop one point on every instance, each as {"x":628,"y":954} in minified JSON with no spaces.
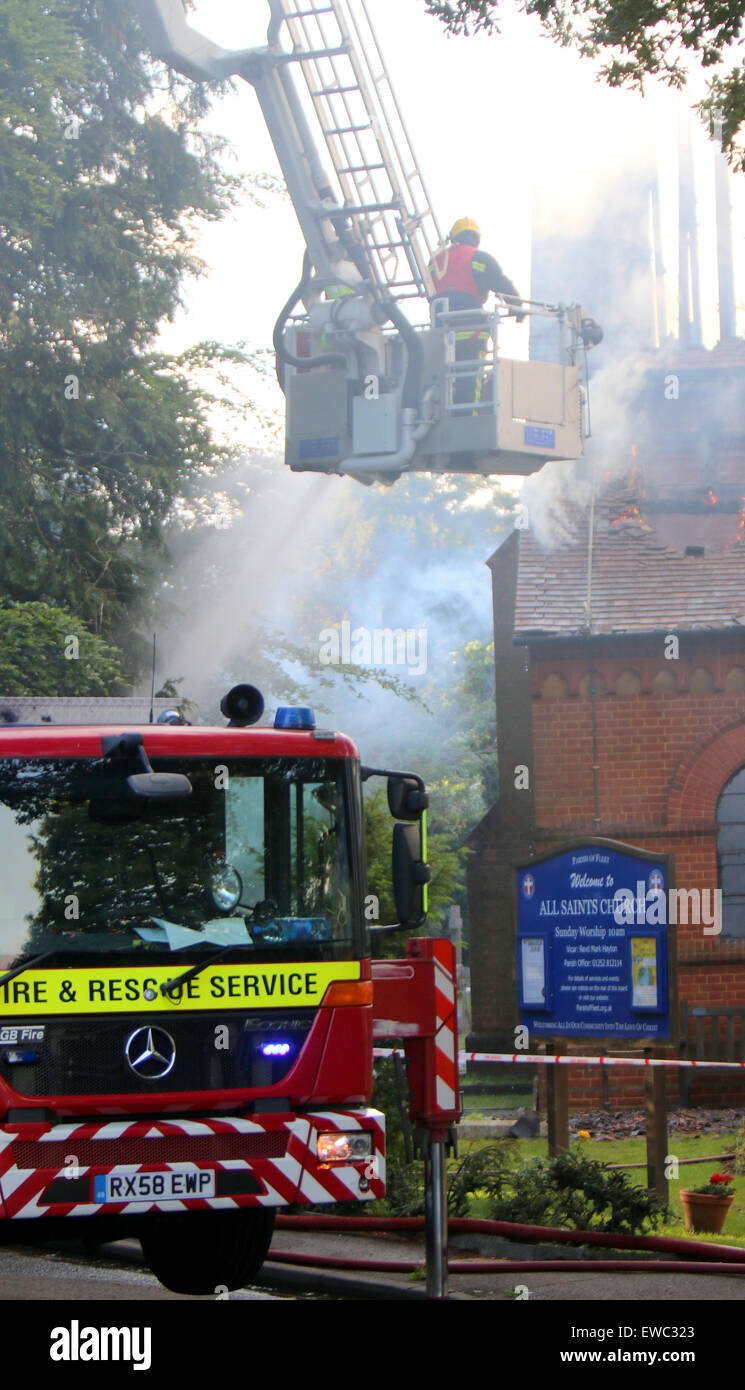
{"x":167,"y":1148}
{"x":86,"y":1056}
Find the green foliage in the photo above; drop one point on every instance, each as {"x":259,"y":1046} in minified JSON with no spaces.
{"x":445,"y":857}
{"x":638,"y":39}
{"x":739,"y":1161}
{"x":104,"y":175}
{"x":482,"y":1170}
{"x":34,"y":638}
{"x":378,"y":841}
{"x":465,"y":698}
{"x":575,"y":1191}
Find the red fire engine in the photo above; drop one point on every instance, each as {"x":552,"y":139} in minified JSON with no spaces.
{"x":186,"y":991}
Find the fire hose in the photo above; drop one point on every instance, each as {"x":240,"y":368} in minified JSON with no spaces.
{"x":696,"y":1256}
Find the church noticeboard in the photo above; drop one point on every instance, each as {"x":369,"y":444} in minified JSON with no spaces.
{"x":595,"y":951}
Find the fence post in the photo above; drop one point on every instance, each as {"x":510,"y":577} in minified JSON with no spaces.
{"x":655,"y":1110}
{"x":683,"y":1075}
{"x":557,"y":1103}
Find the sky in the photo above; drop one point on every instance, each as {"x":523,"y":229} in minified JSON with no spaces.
{"x":507,"y":129}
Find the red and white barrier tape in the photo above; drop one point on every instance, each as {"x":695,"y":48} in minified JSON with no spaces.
{"x":566,"y":1060}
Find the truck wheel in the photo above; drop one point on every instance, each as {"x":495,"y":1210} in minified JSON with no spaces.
{"x":205,"y":1252}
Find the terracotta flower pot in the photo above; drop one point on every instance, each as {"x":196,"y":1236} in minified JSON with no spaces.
{"x":705,"y":1212}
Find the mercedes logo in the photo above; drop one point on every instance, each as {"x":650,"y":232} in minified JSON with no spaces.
{"x":150,"y":1053}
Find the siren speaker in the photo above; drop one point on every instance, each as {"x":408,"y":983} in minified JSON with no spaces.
{"x":242,"y":705}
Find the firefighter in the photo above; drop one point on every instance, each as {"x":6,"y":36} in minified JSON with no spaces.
{"x":466,"y":276}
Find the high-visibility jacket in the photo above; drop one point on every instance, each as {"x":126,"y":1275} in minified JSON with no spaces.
{"x":467,"y":275}
{"x":452,"y":273}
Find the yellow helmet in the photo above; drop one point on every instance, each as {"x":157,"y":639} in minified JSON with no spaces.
{"x":464,"y":224}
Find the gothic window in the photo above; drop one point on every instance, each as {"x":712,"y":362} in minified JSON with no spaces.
{"x":664,"y":683}
{"x":555,"y":687}
{"x":701,"y":682}
{"x":629,"y":683}
{"x":731,"y":854}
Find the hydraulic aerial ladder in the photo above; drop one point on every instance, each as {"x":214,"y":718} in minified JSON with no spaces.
{"x":373,"y":390}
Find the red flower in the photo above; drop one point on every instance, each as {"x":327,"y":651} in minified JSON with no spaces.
{"x":720,"y":1177}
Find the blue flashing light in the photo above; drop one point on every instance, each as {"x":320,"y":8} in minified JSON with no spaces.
{"x":14,"y":1056}
{"x":294,"y":717}
{"x":275,"y":1049}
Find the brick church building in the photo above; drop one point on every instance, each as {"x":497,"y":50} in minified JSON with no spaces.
{"x":620,"y":686}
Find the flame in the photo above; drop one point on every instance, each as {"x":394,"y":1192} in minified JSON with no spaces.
{"x":711,"y":498}
{"x":631,"y":514}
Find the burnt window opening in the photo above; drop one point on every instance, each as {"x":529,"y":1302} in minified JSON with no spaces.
{"x":731,"y":854}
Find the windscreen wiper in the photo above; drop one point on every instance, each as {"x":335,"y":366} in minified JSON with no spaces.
{"x":26,"y":965}
{"x":171,"y":985}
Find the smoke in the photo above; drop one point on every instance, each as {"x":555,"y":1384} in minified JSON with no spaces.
{"x":613,"y":247}
{"x":299,"y":554}
{"x":235,"y":580}
{"x":600,"y":256}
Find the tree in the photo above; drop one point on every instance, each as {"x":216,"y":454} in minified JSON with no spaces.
{"x":48,"y":651}
{"x":446,"y":858}
{"x":636,"y":40}
{"x":103,"y":174}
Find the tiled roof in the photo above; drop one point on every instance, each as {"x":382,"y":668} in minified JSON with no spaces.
{"x":640,"y":582}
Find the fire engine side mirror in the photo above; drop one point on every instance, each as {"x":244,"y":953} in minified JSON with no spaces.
{"x":410,"y":874}
{"x":406,"y":798}
{"x":159,"y":786}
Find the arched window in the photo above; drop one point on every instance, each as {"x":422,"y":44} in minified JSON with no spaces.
{"x":731,"y":854}
{"x":555,"y":687}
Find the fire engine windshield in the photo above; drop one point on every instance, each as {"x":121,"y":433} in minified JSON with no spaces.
{"x":257,"y":856}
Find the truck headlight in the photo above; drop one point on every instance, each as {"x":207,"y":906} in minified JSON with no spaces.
{"x":344,"y":1147}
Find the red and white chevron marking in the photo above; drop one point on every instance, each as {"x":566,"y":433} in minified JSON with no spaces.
{"x":446,"y":1061}
{"x":295,"y":1177}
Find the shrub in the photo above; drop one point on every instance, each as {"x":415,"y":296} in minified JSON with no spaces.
{"x":574,"y":1191}
{"x":739,"y":1163}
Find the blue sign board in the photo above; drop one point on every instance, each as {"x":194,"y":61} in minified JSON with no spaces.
{"x":539,"y":437}
{"x":326,"y":448}
{"x":592,"y":943}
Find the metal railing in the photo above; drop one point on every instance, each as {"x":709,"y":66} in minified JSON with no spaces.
{"x":481,"y":326}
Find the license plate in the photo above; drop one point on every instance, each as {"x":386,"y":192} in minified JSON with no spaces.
{"x":144,"y":1187}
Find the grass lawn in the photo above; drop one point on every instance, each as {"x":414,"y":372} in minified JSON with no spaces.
{"x":634,"y":1151}
{"x":488,"y":1076}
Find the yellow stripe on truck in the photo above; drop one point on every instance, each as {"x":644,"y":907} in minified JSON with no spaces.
{"x":122,"y":989}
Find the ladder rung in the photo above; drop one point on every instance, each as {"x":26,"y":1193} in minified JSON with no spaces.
{"x":297,"y":56}
{"x":334,"y":91}
{"x":309,"y":14}
{"x":355,"y":209}
{"x":360,"y":168}
{"x":348,"y":129}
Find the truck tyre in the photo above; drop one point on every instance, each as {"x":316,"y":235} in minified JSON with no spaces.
{"x":206,"y":1252}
